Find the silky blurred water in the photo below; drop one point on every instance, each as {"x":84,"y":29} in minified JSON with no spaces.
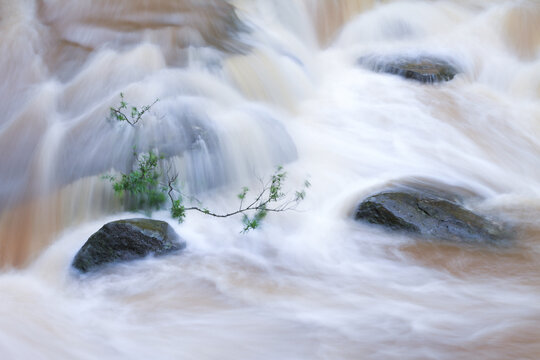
{"x":243,"y":87}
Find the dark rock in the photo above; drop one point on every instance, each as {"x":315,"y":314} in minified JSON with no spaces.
{"x":125,"y":240}
{"x":425,"y":69}
{"x":429,"y":214}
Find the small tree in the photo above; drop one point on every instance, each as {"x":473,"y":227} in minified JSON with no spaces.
{"x":148,"y":186}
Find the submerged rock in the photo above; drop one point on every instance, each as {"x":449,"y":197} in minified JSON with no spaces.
{"x":125,"y":240}
{"x":428,"y":214}
{"x":425,"y":69}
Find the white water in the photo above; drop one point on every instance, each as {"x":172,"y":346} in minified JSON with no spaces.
{"x":311,"y":284}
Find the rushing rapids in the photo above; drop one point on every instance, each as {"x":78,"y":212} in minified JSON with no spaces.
{"x":243,"y":86}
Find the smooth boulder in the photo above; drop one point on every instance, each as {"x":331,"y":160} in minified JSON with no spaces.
{"x":428,"y":214}
{"x":126,"y":240}
{"x":425,"y":69}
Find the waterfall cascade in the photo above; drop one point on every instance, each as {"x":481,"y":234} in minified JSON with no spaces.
{"x":244,"y":86}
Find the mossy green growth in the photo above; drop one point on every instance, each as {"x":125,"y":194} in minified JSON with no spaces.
{"x":145,"y":224}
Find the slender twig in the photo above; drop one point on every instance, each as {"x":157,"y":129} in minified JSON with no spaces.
{"x":121,"y":116}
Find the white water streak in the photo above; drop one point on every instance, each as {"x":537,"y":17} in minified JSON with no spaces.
{"x":310,"y":284}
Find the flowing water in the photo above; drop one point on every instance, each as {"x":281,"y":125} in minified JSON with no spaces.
{"x":245,"y":86}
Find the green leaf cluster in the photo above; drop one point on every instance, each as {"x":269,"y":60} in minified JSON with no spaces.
{"x":141,"y":187}
{"x":253,"y":222}
{"x":178,"y":210}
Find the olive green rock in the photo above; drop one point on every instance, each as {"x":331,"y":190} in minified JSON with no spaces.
{"x":428,"y":215}
{"x":126,"y":240}
{"x":425,"y":69}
